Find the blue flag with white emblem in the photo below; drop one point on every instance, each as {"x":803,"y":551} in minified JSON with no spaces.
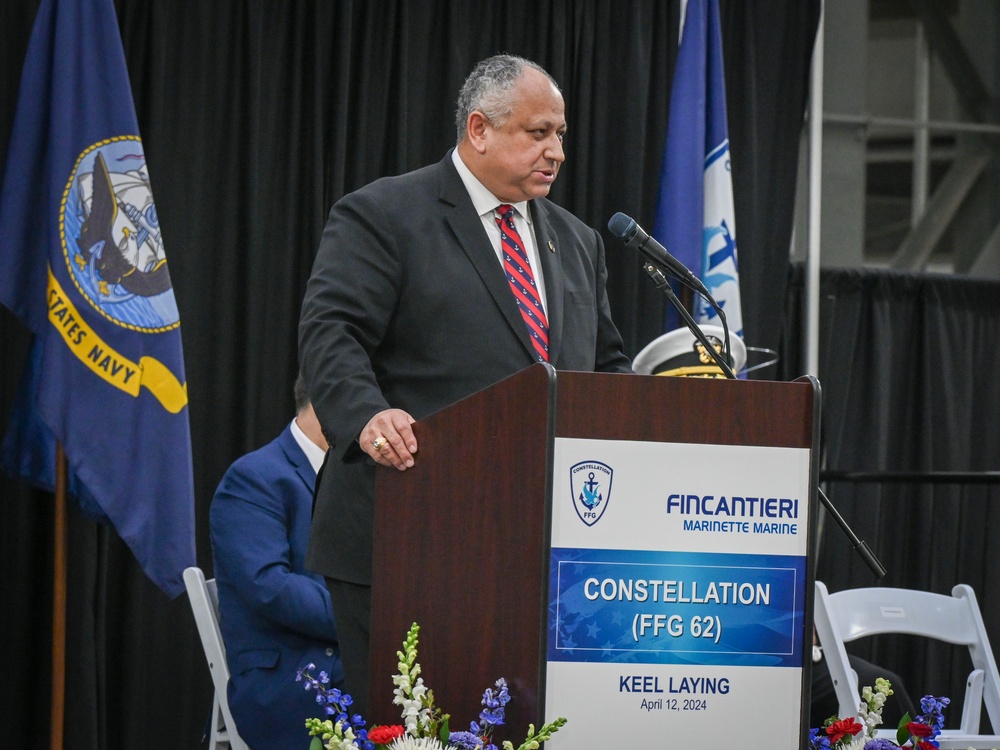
{"x":694,"y":214}
{"x":84,"y":269}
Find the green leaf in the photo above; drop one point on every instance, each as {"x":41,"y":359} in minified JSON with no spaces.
{"x":901,"y":734}
{"x":316,"y":744}
{"x":445,"y":733}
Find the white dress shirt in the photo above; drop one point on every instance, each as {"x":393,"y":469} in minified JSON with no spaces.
{"x":486,"y":204}
{"x":313,"y":452}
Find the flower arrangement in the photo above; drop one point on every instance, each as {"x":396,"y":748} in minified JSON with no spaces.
{"x":424,"y":727}
{"x":849,"y":734}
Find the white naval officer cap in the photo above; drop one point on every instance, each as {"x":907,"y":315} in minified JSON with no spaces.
{"x":679,"y":353}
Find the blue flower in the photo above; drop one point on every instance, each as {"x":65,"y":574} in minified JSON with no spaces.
{"x":818,"y":741}
{"x":881,"y":744}
{"x":494,"y":702}
{"x":933,"y":713}
{"x":335,"y":703}
{"x":466,"y":741}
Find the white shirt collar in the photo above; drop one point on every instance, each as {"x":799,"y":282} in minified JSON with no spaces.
{"x":313,"y":452}
{"x":484,"y":200}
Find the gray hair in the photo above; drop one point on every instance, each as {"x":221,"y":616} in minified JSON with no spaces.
{"x":488,"y":90}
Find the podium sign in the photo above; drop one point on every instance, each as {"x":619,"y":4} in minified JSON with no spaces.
{"x":677,"y":592}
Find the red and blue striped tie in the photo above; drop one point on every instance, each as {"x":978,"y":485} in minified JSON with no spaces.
{"x":522,"y":282}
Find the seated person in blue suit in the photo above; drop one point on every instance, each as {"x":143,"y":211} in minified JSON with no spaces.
{"x":275,"y":616}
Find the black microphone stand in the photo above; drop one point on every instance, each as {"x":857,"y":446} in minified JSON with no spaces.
{"x":656,"y":274}
{"x":664,"y":286}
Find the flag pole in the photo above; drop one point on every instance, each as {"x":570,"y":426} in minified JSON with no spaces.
{"x":59,"y":604}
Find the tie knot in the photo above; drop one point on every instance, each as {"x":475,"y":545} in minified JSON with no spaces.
{"x":506,"y":211}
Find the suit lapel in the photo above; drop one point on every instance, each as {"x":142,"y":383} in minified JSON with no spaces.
{"x":550,"y":258}
{"x":468,"y":229}
{"x":297,"y":459}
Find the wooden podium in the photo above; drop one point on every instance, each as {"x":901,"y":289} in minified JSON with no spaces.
{"x":463,"y":540}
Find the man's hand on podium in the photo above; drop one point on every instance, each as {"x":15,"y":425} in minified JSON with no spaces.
{"x":389,"y":440}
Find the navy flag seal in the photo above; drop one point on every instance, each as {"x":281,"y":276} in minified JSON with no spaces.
{"x":111,"y":238}
{"x":111,"y":243}
{"x":590,"y":489}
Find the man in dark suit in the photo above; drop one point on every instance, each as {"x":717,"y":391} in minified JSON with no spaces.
{"x":428,"y":287}
{"x":275,"y":615}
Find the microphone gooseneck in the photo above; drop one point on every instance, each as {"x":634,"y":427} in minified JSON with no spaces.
{"x":627,"y":230}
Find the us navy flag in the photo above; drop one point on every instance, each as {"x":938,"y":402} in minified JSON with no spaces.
{"x":84,"y":268}
{"x":694,"y":216}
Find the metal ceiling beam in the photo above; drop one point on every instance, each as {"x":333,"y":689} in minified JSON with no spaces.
{"x":972,"y":93}
{"x":919,"y":244}
{"x":987,"y":261}
{"x":917,"y":247}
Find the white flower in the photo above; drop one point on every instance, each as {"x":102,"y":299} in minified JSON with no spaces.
{"x":347,"y":743}
{"x":871,"y":706}
{"x":411,"y":698}
{"x":418,"y":743}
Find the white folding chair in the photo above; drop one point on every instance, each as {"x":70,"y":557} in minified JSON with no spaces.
{"x":205,"y":606}
{"x":858,"y":613}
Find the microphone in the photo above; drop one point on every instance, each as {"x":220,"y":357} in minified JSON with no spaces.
{"x":624,"y":228}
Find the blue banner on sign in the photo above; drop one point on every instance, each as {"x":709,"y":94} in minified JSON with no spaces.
{"x":649,"y":607}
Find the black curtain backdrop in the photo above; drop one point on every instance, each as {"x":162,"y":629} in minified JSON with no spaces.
{"x":908,"y":370}
{"x":255,"y":118}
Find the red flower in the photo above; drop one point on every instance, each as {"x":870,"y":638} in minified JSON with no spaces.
{"x":924,"y":745}
{"x":839,"y":729}
{"x":385,"y":734}
{"x":918,"y":729}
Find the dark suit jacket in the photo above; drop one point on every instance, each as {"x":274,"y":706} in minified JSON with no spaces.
{"x":275,"y":616}
{"x":408,"y":307}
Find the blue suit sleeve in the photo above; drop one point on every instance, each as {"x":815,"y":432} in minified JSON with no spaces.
{"x":254,"y":524}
